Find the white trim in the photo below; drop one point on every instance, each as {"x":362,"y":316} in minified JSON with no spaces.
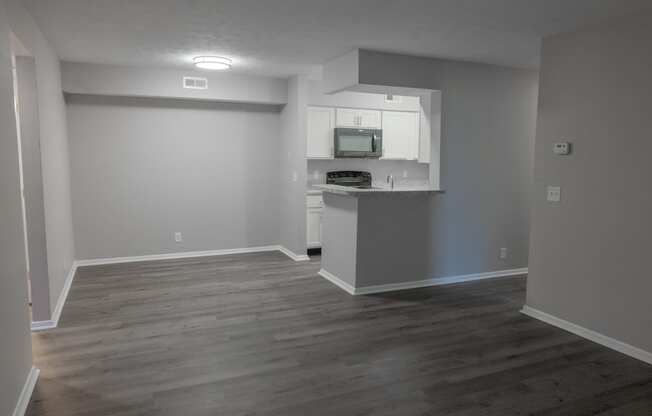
{"x":178,"y":255}
{"x":64,"y":293}
{"x":589,"y":334}
{"x":294,"y":256}
{"x":337,"y":282}
{"x":367,"y":290}
{"x":43,"y":325}
{"x":54,"y":321}
{"x":26,"y":393}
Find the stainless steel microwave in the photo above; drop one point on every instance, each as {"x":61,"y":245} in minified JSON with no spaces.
{"x":362,"y":143}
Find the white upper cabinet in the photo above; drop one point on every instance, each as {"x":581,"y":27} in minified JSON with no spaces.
{"x":321,"y":121}
{"x":400,"y":135}
{"x":365,"y":119}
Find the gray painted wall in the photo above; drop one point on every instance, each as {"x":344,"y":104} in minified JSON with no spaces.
{"x":340,"y":236}
{"x":292,"y":187}
{"x":33,"y":187}
{"x":354,"y":99}
{"x":15,"y":343}
{"x":54,"y":148}
{"x":590,"y":253}
{"x":488,"y":120}
{"x":146,"y":168}
{"x":83,"y":78}
{"x":393,"y":244}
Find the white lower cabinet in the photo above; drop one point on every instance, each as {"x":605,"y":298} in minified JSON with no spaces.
{"x":314,"y":212}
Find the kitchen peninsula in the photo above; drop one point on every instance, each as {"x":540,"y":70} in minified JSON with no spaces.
{"x":375,"y":238}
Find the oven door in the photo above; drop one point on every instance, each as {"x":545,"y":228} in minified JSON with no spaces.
{"x":363,"y":143}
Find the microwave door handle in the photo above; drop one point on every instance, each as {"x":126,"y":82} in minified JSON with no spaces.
{"x":373,"y":143}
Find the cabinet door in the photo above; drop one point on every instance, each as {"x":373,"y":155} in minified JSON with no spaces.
{"x":321,"y":121}
{"x":313,"y":229}
{"x":400,"y":135}
{"x":347,"y":117}
{"x":364,"y":119}
{"x":369,"y":119}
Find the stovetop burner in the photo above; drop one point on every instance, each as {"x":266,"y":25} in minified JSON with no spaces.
{"x":353,"y":178}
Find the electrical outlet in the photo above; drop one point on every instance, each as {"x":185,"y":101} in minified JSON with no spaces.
{"x":503,"y":253}
{"x":178,"y":237}
{"x":295,"y":176}
{"x":405,"y":173}
{"x":554,"y":194}
{"x":315,"y":175}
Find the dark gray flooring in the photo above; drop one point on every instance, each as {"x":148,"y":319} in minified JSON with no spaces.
{"x":261,"y":335}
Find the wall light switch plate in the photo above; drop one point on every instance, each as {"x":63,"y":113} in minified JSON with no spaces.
{"x":178,"y":237}
{"x":503,"y":253}
{"x":554,"y":194}
{"x":561,"y":148}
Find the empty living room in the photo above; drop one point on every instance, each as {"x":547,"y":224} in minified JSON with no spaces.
{"x":337,"y":208}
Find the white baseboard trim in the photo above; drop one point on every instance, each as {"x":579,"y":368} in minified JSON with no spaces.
{"x":43,"y":325}
{"x":291,"y":254}
{"x":368,"y":290}
{"x":337,"y":282}
{"x":589,"y":334}
{"x":178,"y":255}
{"x":58,"y":308}
{"x":26,"y":393}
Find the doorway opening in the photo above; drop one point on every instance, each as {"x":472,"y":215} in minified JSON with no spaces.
{"x":31,"y":179}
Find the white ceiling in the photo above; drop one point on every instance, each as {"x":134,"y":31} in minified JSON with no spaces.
{"x":284,"y":37}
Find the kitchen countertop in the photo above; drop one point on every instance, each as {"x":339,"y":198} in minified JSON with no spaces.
{"x":398,"y":190}
{"x":312,"y":191}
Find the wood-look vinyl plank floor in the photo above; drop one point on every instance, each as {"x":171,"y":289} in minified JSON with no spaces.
{"x":258,"y":334}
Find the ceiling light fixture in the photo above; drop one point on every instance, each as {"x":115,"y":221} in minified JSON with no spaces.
{"x":218,"y":63}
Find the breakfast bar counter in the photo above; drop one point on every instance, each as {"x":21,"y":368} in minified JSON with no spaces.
{"x":376,"y":238}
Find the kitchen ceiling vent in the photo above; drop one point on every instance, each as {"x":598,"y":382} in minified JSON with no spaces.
{"x":195,"y":83}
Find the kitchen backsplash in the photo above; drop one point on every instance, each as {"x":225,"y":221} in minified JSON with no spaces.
{"x":417,"y":173}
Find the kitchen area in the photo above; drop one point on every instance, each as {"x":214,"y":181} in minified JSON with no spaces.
{"x":371,"y":169}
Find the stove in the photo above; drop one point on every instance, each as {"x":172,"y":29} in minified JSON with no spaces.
{"x":353,"y":178}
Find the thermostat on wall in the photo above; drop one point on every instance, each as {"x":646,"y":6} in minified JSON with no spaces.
{"x":562,"y":148}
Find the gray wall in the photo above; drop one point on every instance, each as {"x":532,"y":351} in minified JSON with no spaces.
{"x":15,"y":343}
{"x":488,"y":120}
{"x":354,"y":99}
{"x":590,"y":253}
{"x":54,"y":148}
{"x":340,"y":235}
{"x":393,"y":239}
{"x":83,"y":78}
{"x":33,"y":187}
{"x":293,"y":165}
{"x":145,"y":168}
